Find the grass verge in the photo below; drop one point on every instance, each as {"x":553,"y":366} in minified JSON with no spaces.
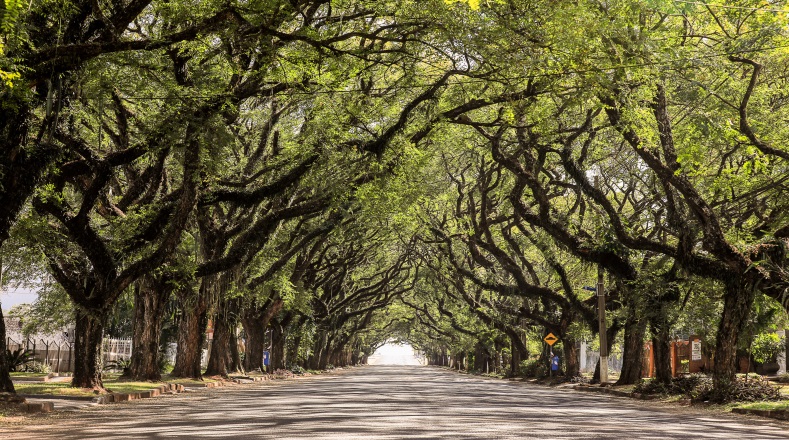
{"x":778,"y":405}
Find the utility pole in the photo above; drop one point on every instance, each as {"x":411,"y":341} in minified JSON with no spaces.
{"x":601,"y":314}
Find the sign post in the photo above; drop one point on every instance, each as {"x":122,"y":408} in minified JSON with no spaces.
{"x":551,"y":339}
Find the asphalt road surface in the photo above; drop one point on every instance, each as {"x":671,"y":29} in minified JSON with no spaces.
{"x":392,"y":402}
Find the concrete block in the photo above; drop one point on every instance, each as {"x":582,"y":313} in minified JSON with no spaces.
{"x":38,"y":407}
{"x":122,"y":397}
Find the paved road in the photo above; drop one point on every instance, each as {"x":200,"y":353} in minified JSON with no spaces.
{"x":387,"y":402}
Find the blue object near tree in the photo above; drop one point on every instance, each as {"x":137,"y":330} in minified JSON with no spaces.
{"x":555,"y":363}
{"x":265,"y":358}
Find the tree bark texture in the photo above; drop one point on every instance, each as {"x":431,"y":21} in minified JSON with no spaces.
{"x":255,"y":321}
{"x":235,"y":353}
{"x":6,"y":385}
{"x":278,"y":352}
{"x":219,"y":361}
{"x":516,"y":358}
{"x":88,"y":335}
{"x":661,"y":345}
{"x":737,"y":302}
{"x":150,"y":299}
{"x":572,"y":366}
{"x":635,"y":329}
{"x":321,"y":339}
{"x":191,"y":334}
{"x":480,"y":358}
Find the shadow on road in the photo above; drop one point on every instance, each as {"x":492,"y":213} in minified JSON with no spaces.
{"x":393,"y":402}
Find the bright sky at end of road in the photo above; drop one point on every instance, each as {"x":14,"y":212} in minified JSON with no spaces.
{"x":394,"y":354}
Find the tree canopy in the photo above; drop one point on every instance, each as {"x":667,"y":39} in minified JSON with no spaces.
{"x":326,"y":175}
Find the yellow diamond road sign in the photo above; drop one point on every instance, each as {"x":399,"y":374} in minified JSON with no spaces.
{"x":550,"y":339}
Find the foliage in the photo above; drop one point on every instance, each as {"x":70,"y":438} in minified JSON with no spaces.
{"x":37,"y":367}
{"x":766,"y":347}
{"x":533,"y":368}
{"x":19,"y":358}
{"x":700,"y":387}
{"x":682,"y":385}
{"x":51,"y":312}
{"x":450,"y":173}
{"x":120,"y":364}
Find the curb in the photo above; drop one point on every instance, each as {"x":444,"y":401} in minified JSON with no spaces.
{"x":618,"y":393}
{"x":780,"y":414}
{"x":168,"y":388}
{"x":201,"y":385}
{"x":21,"y":403}
{"x":248,"y":379}
{"x":39,"y":407}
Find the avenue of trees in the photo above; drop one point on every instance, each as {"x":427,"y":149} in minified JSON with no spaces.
{"x":341,"y":173}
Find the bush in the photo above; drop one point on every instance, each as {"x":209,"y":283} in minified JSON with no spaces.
{"x":700,"y":388}
{"x":18,"y":358}
{"x":297,"y":369}
{"x":121,"y":364}
{"x":37,"y":367}
{"x":533,"y":368}
{"x":684,"y":385}
{"x":766,"y":347}
{"x":651,"y":386}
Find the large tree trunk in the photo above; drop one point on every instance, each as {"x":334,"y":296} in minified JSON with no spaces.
{"x":277,"y":357}
{"x":323,"y":359}
{"x":635,"y":329}
{"x":21,"y":170}
{"x":220,"y":358}
{"x":317,"y":349}
{"x":661,"y":344}
{"x":191,"y":334}
{"x":480,"y":358}
{"x":255,"y":321}
{"x":737,"y":303}
{"x":6,"y":385}
{"x":518,"y":354}
{"x":340,"y":354}
{"x":88,"y":335}
{"x":150,"y":299}
{"x":572,"y":366}
{"x":235,"y":353}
